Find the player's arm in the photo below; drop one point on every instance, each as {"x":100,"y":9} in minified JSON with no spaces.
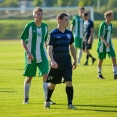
{"x":30,"y":56}
{"x":91,"y":36}
{"x":101,"y":35}
{"x":72,"y":27}
{"x":53,"y":63}
{"x":73,"y":24}
{"x":50,"y":51}
{"x":73,"y":53}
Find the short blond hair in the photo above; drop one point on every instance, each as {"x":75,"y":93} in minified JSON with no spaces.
{"x":108,"y":13}
{"x":37,"y":9}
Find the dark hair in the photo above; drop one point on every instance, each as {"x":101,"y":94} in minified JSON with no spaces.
{"x":85,"y":14}
{"x":82,"y":8}
{"x":61,"y":16}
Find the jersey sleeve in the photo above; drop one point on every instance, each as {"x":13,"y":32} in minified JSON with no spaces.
{"x":51,"y":40}
{"x":72,"y":39}
{"x":101,"y":28}
{"x":73,"y":21}
{"x":92,"y":25}
{"x":46,"y":34}
{"x":25,"y":34}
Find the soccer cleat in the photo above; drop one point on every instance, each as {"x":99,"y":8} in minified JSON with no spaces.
{"x":46,"y":104}
{"x":72,"y":107}
{"x":100,"y":77}
{"x":115,"y":76}
{"x":26,"y":101}
{"x":85,"y":64}
{"x":51,"y":102}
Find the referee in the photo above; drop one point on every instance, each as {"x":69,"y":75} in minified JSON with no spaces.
{"x":60,"y":42}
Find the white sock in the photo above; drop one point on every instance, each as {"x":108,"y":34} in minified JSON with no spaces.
{"x":79,"y":55}
{"x":26,"y":89}
{"x":99,"y":69}
{"x":114,"y":69}
{"x":45,"y":85}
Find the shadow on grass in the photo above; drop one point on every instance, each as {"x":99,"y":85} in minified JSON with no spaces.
{"x":7,"y":90}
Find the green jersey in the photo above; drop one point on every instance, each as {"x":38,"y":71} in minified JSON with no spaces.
{"x":78,"y":24}
{"x":35,"y":38}
{"x":105,"y":31}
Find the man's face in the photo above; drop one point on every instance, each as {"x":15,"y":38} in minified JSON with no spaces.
{"x":64,"y":22}
{"x":110,"y":17}
{"x":85,"y":17}
{"x":38,"y":16}
{"x":81,"y":11}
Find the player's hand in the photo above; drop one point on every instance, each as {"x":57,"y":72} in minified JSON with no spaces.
{"x":89,"y":41}
{"x":54,"y":64}
{"x":74,"y":65}
{"x":30,"y":56}
{"x":107,"y":44}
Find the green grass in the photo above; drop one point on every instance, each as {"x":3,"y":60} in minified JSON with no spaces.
{"x":92,"y":97}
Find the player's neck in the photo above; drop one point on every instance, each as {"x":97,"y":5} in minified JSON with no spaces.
{"x":107,"y":22}
{"x":61,"y":29}
{"x":37,"y":23}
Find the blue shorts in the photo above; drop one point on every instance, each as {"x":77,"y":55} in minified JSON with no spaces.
{"x":55,"y":75}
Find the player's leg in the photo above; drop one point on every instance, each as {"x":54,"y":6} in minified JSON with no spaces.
{"x":54,"y":77}
{"x":88,"y":54}
{"x":101,"y":57}
{"x":30,"y":71}
{"x":67,"y":74}
{"x":78,"y":46}
{"x":114,"y":63}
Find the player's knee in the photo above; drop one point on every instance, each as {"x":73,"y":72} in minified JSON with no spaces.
{"x":68,"y":83}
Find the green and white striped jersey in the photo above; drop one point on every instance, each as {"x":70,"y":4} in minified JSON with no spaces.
{"x":105,"y":30}
{"x":35,"y":38}
{"x":78,"y":24}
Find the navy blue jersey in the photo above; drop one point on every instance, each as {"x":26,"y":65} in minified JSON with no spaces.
{"x":87,"y":28}
{"x":60,"y":42}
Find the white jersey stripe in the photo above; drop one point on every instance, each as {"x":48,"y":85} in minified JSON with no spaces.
{"x":29,"y":45}
{"x":76,"y":27}
{"x":39,"y":39}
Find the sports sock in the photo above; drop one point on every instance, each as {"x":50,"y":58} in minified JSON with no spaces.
{"x":26,"y":89}
{"x":91,"y":56}
{"x":79,"y":55}
{"x":49,"y":94}
{"x":99,"y":69}
{"x":69,"y":92}
{"x":45,"y":85}
{"x":87,"y":58}
{"x":114,"y":69}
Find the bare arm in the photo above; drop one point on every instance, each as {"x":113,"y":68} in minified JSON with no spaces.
{"x":71,"y":27}
{"x":30,"y":56}
{"x":73,"y":53}
{"x":53,"y":63}
{"x":105,"y":42}
{"x":91,"y":36}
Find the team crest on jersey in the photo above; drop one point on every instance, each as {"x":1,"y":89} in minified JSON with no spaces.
{"x":68,"y":36}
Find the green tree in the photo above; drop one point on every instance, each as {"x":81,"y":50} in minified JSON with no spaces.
{"x":85,"y":2}
{"x":9,"y":3}
{"x":38,"y":2}
{"x":67,"y":2}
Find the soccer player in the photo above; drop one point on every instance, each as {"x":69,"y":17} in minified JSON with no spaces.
{"x":77,"y":29}
{"x":88,"y":38}
{"x":105,"y":44}
{"x":33,"y":40}
{"x":61,"y":39}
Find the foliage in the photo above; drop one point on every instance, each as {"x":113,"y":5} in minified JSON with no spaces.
{"x":9,"y":3}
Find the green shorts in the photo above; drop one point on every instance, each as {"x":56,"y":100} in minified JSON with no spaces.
{"x":110,"y":54}
{"x":78,"y":42}
{"x":30,"y":69}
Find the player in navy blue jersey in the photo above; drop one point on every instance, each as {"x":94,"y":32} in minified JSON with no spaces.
{"x":60,"y":42}
{"x":88,"y":38}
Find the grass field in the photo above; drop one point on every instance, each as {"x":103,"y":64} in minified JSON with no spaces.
{"x":92,"y":97}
